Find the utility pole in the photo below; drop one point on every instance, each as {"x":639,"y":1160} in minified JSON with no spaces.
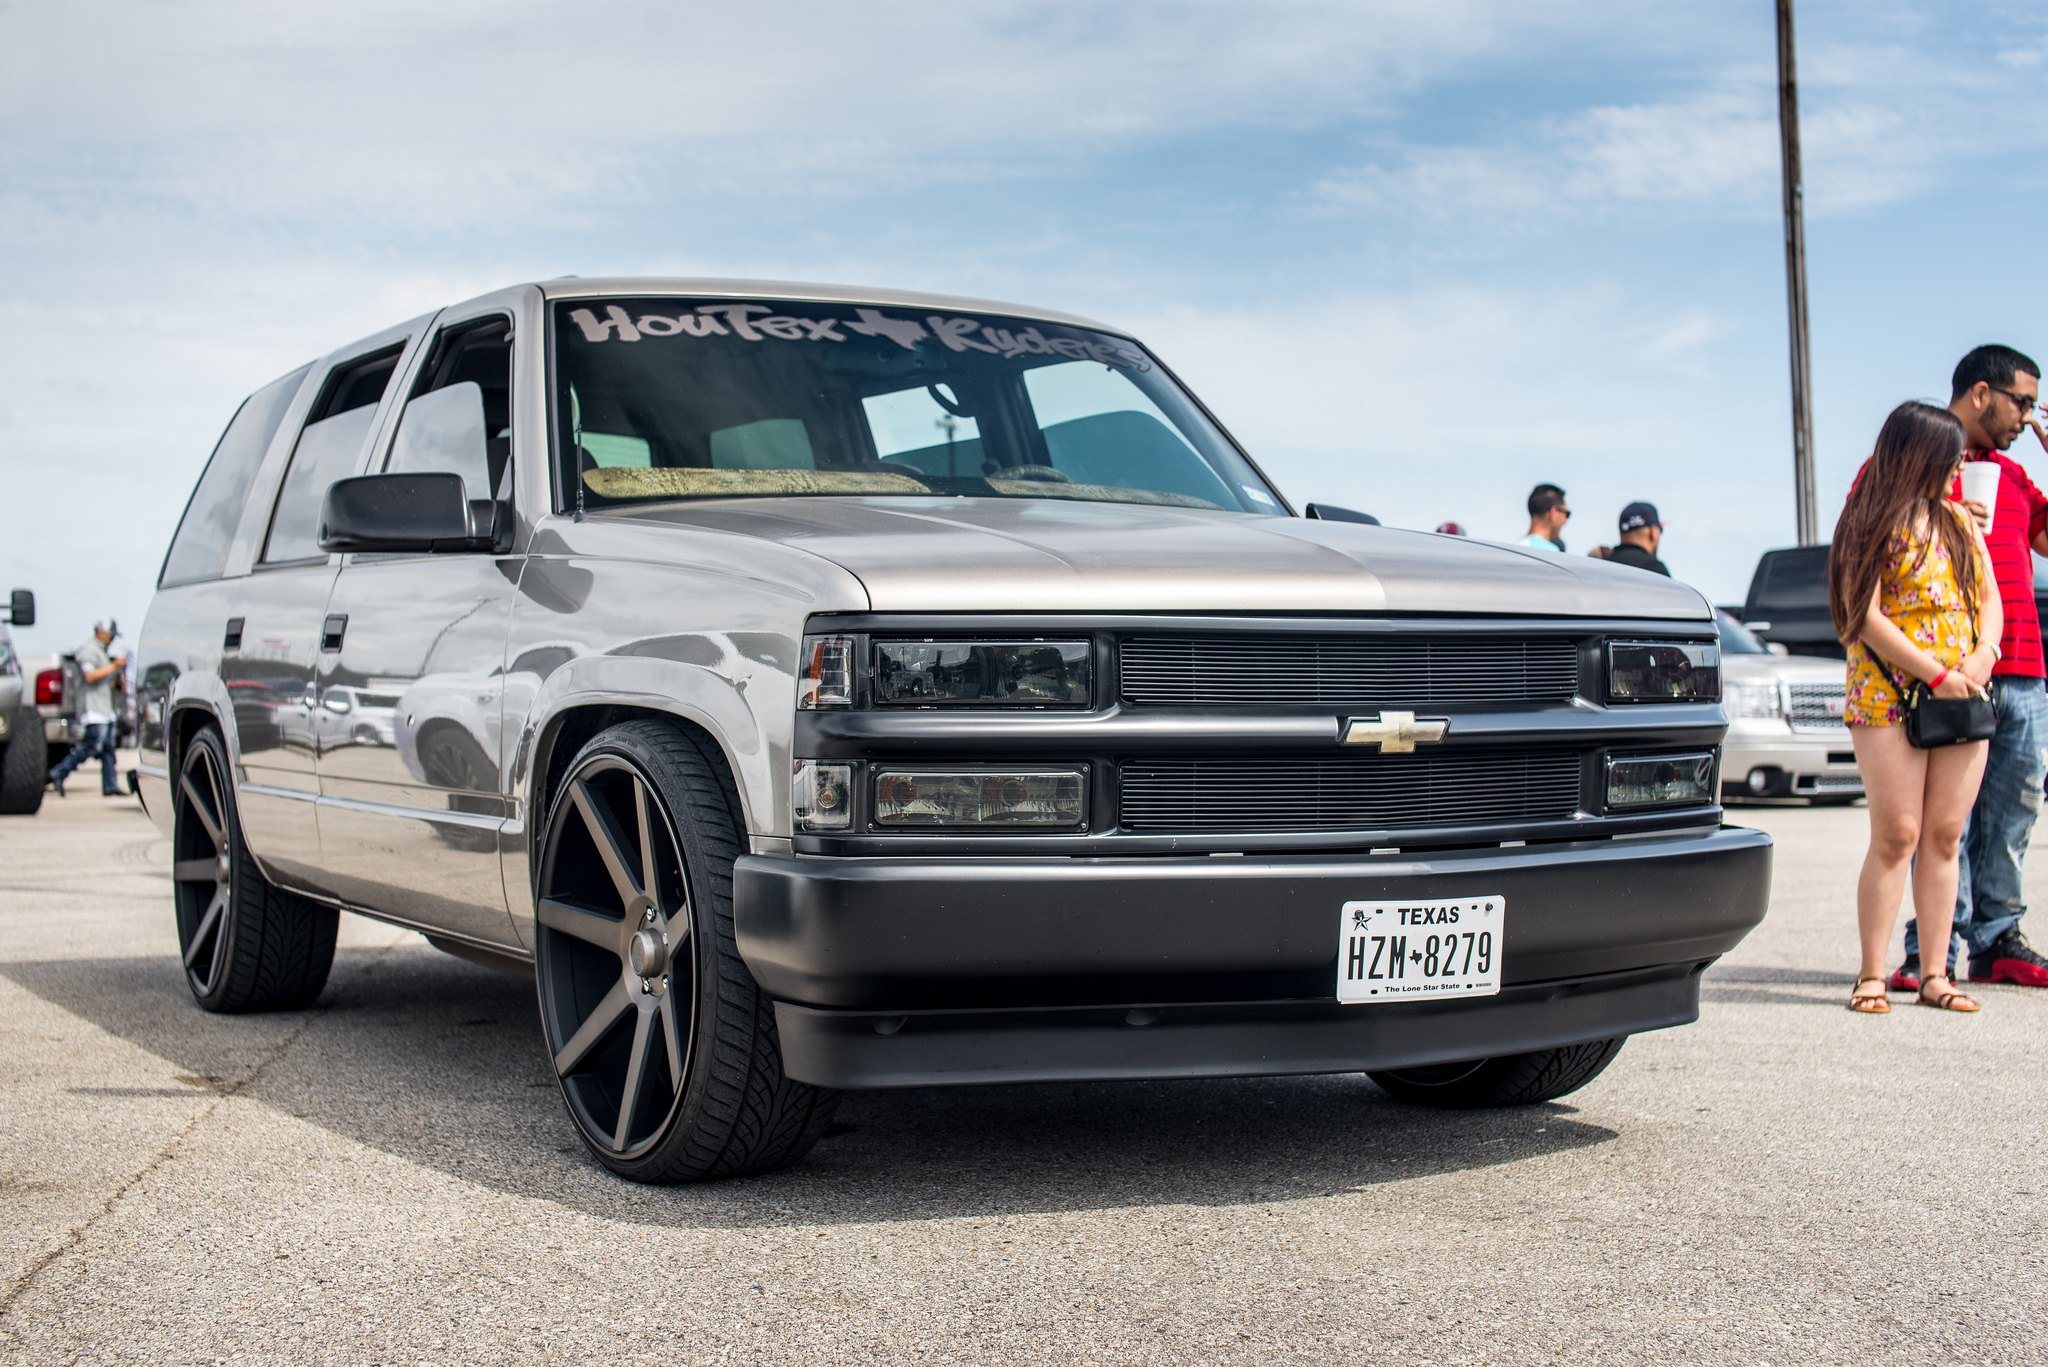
{"x":1795,"y":279}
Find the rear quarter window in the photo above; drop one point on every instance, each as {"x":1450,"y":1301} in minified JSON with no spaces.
{"x":199,"y":548}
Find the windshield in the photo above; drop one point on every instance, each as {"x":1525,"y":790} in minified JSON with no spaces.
{"x":1737,"y":639}
{"x":677,"y":398}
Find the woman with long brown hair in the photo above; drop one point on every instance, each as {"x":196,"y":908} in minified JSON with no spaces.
{"x":1909,"y":583}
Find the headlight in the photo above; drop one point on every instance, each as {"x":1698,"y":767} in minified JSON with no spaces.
{"x":982,"y":673}
{"x":1663,"y":671}
{"x":1752,"y":700}
{"x":981,"y":799}
{"x":1660,"y":781}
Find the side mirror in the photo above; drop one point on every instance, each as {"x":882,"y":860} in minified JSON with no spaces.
{"x":1777,"y":647}
{"x":418,"y":513}
{"x":21,"y":608}
{"x":1330,"y":512}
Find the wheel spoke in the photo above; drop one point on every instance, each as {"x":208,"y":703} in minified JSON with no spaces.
{"x":591,"y":1033}
{"x":649,"y":883}
{"x":609,"y":839}
{"x":671,"y":1037}
{"x":198,"y":807}
{"x":591,"y":927}
{"x":636,"y":1079}
{"x":220,"y":945}
{"x":196,"y":870}
{"x":207,"y":922}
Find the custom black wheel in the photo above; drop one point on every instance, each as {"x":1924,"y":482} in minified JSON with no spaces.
{"x":663,"y":1044}
{"x":1509,"y":1080}
{"x":247,"y":946}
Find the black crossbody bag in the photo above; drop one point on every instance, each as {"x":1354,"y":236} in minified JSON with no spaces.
{"x":1933,"y":722}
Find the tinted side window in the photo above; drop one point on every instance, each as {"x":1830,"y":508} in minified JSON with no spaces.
{"x":199,"y":550}
{"x":328,"y":449}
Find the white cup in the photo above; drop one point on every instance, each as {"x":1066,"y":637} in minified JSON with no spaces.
{"x":1980,"y":485}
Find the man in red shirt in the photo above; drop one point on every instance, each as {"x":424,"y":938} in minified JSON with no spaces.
{"x":1995,"y":393}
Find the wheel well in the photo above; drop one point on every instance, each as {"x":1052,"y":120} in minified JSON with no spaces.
{"x":572,"y":730}
{"x":185,"y":723}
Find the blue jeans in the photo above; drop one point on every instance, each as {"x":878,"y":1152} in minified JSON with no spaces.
{"x":1989,"y":897}
{"x":99,"y":740}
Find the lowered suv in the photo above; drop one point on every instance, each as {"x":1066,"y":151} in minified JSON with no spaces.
{"x":819,"y":689}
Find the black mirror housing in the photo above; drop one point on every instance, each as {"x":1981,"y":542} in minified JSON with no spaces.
{"x":1330,"y":512}
{"x":418,"y":513}
{"x":21,"y":608}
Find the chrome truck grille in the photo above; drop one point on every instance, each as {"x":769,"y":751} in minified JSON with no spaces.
{"x":1817,"y":707}
{"x":1349,"y":671}
{"x":1361,"y":793}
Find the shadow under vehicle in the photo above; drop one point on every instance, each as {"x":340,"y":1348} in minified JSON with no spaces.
{"x":860,"y":689}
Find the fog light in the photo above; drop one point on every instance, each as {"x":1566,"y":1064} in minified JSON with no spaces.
{"x":821,"y":796}
{"x":1763,"y":780}
{"x":1660,"y":781}
{"x":981,"y":799}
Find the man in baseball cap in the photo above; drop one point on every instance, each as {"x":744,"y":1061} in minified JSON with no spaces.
{"x":97,"y":669}
{"x":1641,"y":533}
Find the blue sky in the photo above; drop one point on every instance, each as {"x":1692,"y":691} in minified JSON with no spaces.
{"x":1416,"y":255}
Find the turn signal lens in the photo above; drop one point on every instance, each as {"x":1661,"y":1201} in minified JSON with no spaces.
{"x":1663,"y":671}
{"x":821,"y":796}
{"x":982,"y":799}
{"x":826,"y":679}
{"x":981,"y":673}
{"x":1660,"y":781}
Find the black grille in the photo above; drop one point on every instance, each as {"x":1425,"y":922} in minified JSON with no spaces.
{"x":1347,"y":671}
{"x":1363,"y":792}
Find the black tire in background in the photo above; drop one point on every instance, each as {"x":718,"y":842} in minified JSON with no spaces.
{"x":24,"y":765}
{"x":664,"y":1046}
{"x":1510,"y":1080}
{"x":247,"y":946}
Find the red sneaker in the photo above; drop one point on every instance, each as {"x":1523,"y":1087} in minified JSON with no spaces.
{"x":2010,"y":960}
{"x":1906,"y":977}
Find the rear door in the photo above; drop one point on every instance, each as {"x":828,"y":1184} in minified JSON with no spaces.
{"x":410,"y":694}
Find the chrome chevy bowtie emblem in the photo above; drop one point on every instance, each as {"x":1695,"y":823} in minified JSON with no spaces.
{"x":1396,"y":733}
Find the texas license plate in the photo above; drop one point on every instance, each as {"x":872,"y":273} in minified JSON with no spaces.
{"x":1414,"y":951}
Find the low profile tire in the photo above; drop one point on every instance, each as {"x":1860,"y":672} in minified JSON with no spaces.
{"x":247,"y":946}
{"x":664,"y":1046}
{"x":1510,"y":1080}
{"x":24,"y":766}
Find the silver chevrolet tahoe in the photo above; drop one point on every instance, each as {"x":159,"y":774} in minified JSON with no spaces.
{"x":815,"y":688}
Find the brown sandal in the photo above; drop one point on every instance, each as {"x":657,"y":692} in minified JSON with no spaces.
{"x":1869,"y":1004}
{"x":1946,"y":1001}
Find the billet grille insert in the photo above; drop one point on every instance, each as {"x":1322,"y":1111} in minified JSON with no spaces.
{"x":1347,"y":793}
{"x":1817,"y":707}
{"x":1351,"y":671}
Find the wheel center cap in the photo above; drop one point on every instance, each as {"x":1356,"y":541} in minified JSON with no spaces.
{"x":646,"y":953}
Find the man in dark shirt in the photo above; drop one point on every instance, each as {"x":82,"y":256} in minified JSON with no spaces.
{"x":1642,"y":531}
{"x":1995,"y":392}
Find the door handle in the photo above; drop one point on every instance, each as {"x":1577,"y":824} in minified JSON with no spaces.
{"x":331,"y":631}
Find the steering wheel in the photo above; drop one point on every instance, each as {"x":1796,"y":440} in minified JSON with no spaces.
{"x":1043,"y":473}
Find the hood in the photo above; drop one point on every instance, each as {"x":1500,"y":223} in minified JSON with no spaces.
{"x":1053,"y":555}
{"x":1804,"y":669}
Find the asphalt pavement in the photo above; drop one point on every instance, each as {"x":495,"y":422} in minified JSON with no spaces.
{"x":389,"y":1177}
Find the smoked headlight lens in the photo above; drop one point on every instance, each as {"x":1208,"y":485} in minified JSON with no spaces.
{"x":1663,"y":671}
{"x":982,"y":673}
{"x":983,"y":799}
{"x":1660,"y":781}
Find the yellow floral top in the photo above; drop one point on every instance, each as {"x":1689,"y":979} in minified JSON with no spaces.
{"x":1925,"y":603}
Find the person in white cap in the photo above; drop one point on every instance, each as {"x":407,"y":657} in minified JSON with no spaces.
{"x":98,"y":669}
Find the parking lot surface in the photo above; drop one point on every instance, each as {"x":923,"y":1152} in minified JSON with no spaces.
{"x":389,"y":1177}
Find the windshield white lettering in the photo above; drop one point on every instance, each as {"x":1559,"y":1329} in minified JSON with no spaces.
{"x":760,"y":322}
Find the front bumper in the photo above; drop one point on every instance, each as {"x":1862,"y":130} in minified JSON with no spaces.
{"x":1803,"y":763}
{"x":901,"y":972}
